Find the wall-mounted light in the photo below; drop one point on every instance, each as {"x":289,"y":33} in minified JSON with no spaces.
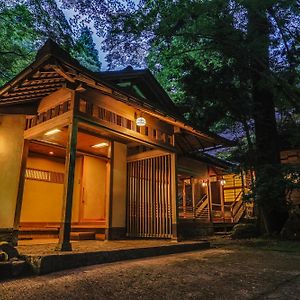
{"x":100,"y":145}
{"x":222,"y":181}
{"x":140,"y":121}
{"x":53,"y":131}
{"x":204,"y":183}
{"x":51,"y":153}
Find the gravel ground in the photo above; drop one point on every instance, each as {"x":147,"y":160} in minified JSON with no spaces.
{"x":231,"y":270}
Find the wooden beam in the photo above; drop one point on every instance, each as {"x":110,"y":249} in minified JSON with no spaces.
{"x":145,"y":155}
{"x":65,"y":227}
{"x":124,"y":132}
{"x":62,"y":73}
{"x":59,"y":121}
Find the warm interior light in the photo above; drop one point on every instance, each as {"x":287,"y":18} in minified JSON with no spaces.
{"x":140,"y":121}
{"x":100,"y":145}
{"x":204,"y":184}
{"x":222,"y":181}
{"x":51,"y":152}
{"x":53,"y":131}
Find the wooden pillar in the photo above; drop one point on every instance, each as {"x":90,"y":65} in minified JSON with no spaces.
{"x":20,"y":190}
{"x":174,"y":191}
{"x":193,"y":197}
{"x":209,"y":195}
{"x":222,"y":201}
{"x":65,"y":226}
{"x":183,"y":198}
{"x":116,"y":213}
{"x":110,"y":191}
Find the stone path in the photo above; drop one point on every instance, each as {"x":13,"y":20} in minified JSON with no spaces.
{"x":230,"y":271}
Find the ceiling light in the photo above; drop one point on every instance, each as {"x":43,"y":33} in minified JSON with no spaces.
{"x":53,"y":131}
{"x":100,"y":145}
{"x":51,"y":152}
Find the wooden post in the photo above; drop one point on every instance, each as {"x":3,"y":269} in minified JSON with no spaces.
{"x":20,"y":191}
{"x":222,"y":201}
{"x":174,"y":187}
{"x":210,"y":209}
{"x":193,"y":197}
{"x":110,"y":192}
{"x":183,"y":198}
{"x":209,"y":195}
{"x":65,"y":227}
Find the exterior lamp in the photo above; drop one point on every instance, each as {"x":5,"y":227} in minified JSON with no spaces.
{"x":222,"y":181}
{"x":204,"y":183}
{"x":140,"y":121}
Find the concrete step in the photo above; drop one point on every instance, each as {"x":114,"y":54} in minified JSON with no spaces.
{"x":79,"y":236}
{"x":43,"y":264}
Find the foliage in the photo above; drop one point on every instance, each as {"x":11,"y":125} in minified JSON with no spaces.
{"x":16,"y":40}
{"x":25,"y":25}
{"x":85,"y":52}
{"x":244,"y":231}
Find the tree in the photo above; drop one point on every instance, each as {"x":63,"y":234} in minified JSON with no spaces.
{"x":85,"y":52}
{"x":225,"y":62}
{"x":17,"y":35}
{"x":26,"y":25}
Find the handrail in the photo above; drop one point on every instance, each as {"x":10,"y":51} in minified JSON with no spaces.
{"x":237,"y":208}
{"x":201,"y":201}
{"x":203,"y":205}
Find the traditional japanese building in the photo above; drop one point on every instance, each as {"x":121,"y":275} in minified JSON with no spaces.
{"x":99,"y":155}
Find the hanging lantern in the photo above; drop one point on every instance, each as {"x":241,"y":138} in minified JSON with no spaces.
{"x":204,"y":183}
{"x":222,"y":181}
{"x":140,"y":121}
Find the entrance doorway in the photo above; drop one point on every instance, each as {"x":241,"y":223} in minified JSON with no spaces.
{"x":149,"y":211}
{"x":94,"y":189}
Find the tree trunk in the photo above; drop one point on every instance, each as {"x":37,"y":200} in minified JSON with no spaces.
{"x":270,"y":188}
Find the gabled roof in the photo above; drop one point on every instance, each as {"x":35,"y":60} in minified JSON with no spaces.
{"x":144,"y":85}
{"x":54,"y":68}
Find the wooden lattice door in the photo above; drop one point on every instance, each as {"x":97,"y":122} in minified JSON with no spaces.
{"x":149,"y":212}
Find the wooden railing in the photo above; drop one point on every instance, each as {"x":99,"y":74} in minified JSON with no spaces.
{"x":201,"y":208}
{"x":49,"y":114}
{"x":103,"y":114}
{"x":200,"y":211}
{"x":237,"y":208}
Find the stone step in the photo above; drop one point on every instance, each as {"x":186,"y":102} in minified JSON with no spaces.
{"x":100,"y":236}
{"x":79,"y":236}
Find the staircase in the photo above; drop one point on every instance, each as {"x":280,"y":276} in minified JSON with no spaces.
{"x":202,"y":209}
